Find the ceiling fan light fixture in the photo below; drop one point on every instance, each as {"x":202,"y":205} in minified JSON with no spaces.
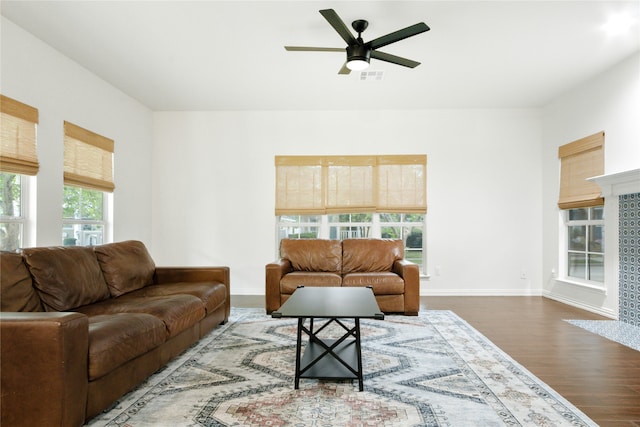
{"x":357,"y":64}
{"x":358,"y":57}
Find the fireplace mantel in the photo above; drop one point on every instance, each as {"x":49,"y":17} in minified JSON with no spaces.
{"x":620,"y":183}
{"x":622,"y":208}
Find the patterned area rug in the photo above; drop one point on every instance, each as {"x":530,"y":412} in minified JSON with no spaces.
{"x":430,"y":370}
{"x":614,"y":330}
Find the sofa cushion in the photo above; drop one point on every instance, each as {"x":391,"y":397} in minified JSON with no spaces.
{"x":212,"y":294}
{"x":117,"y":338}
{"x":370,"y":255}
{"x":66,"y":277}
{"x":382,"y":283}
{"x":16,"y":287}
{"x":178,"y":312}
{"x":291,"y":281}
{"x":127,"y":266}
{"x":313,"y":254}
{"x":391,"y":303}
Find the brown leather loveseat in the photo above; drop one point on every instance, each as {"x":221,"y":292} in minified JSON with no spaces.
{"x":378,"y":263}
{"x":81,"y":326}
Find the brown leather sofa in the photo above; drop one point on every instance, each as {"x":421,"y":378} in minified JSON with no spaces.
{"x":378,"y":263}
{"x":81,"y":326}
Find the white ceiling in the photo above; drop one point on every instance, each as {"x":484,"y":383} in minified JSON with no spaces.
{"x":229,"y":55}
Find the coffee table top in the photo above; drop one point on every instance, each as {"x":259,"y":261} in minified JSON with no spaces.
{"x":331,"y":302}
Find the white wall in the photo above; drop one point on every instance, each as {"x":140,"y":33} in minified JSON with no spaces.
{"x":610,"y":103}
{"x":34,"y":73}
{"x":214,"y":173}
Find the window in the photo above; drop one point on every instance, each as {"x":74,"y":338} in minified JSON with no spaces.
{"x":585,"y":244}
{"x":341,"y":197}
{"x":298,"y":227}
{"x":84,"y":217}
{"x":13,"y":211}
{"x":582,"y":244}
{"x":350,"y":226}
{"x":18,"y":164}
{"x":407,"y":227}
{"x":88,"y":178}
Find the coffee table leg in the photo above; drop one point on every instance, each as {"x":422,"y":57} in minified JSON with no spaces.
{"x":298,"y":350}
{"x":359,"y":355}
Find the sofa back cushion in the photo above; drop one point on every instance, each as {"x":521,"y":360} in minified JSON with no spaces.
{"x":127,"y":266}
{"x":66,"y":277}
{"x":16,"y":290}
{"x":313,"y":254}
{"x":370,"y":255}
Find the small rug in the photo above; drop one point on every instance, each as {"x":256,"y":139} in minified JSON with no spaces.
{"x":614,"y":330}
{"x":429,"y":370}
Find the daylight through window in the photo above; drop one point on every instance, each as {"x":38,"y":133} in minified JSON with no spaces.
{"x":585,"y":243}
{"x":88,"y":178}
{"x":18,"y":164}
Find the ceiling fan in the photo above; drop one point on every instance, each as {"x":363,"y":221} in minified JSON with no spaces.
{"x":359,"y":53}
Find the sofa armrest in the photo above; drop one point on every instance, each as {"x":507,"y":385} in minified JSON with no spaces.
{"x":410,"y":273}
{"x":196,"y":274}
{"x":273,"y":274}
{"x":43,"y":360}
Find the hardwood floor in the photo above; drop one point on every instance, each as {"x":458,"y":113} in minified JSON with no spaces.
{"x":597,"y":375}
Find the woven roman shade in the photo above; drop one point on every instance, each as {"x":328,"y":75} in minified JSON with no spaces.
{"x":580,"y":160}
{"x":299,"y":185}
{"x":402,"y":184}
{"x":348,"y":184}
{"x":18,"y":141}
{"x":88,"y":159}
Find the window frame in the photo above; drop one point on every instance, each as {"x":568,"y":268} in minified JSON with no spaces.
{"x":27,"y":212}
{"x":341,"y":226}
{"x":565,"y":250}
{"x":106,"y":222}
{"x":402,"y":224}
{"x":324,"y":226}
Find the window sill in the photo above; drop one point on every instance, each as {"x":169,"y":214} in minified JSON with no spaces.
{"x":592,"y":286}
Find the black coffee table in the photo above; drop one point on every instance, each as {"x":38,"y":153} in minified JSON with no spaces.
{"x":330,"y":359}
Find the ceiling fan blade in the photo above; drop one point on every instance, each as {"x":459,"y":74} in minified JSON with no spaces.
{"x":338,"y":24}
{"x":344,"y":69}
{"x":394,"y":59}
{"x":313,"y":49}
{"x":398,"y":35}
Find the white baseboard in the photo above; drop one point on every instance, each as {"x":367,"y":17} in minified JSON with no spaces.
{"x":449,"y":293}
{"x":248,"y":292}
{"x":430,"y":292}
{"x":578,"y":304}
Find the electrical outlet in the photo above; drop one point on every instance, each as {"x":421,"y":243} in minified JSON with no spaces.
{"x":523,"y":275}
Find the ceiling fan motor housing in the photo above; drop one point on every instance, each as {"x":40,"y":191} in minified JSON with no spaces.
{"x":358,"y":52}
